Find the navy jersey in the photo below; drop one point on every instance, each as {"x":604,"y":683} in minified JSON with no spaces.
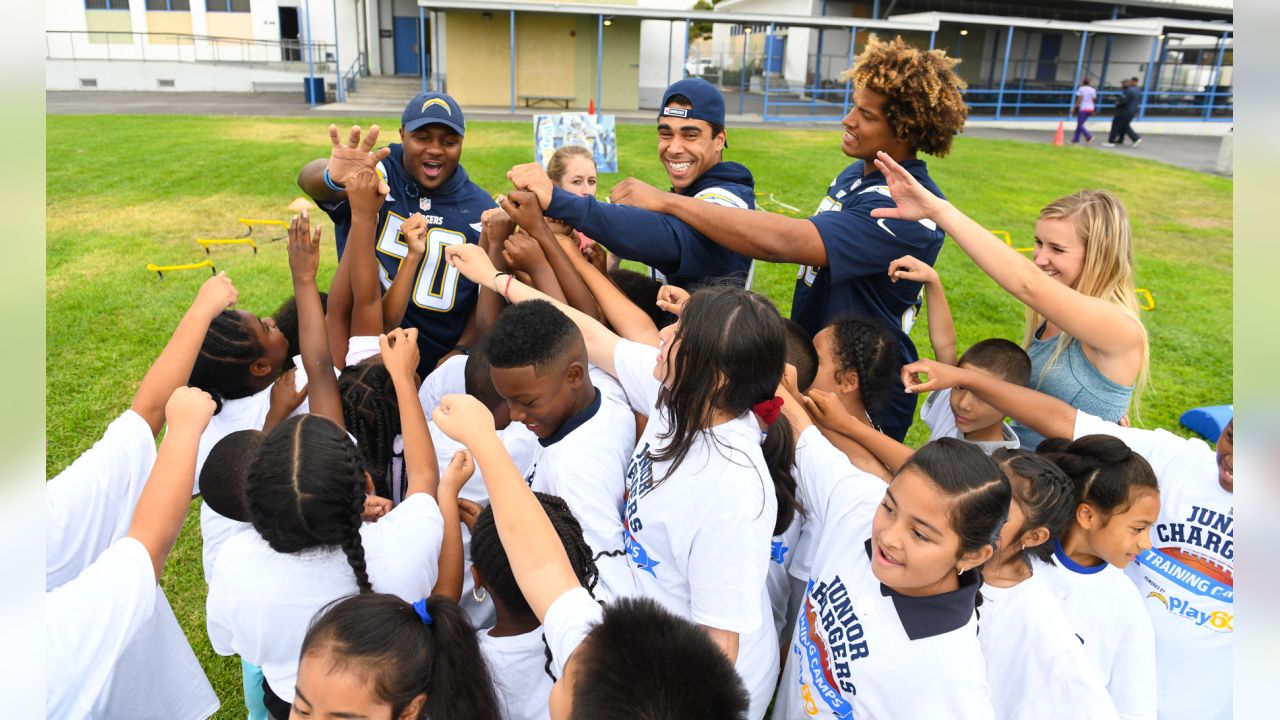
{"x":683,"y":255}
{"x":856,"y":278}
{"x":441,"y":299}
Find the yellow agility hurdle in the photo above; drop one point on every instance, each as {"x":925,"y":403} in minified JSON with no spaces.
{"x":206,"y":242}
{"x":162,"y":269}
{"x":1146,"y":300}
{"x":250,"y":222}
{"x":1008,"y":240}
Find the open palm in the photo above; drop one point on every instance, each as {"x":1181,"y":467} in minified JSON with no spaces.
{"x":913,"y":201}
{"x":355,"y":155}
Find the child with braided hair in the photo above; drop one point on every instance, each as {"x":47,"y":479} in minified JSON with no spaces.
{"x":306,"y":494}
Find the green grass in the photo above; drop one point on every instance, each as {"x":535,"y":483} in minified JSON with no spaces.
{"x":125,"y":191}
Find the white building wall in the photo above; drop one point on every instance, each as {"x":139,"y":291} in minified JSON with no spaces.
{"x":661,"y":52}
{"x":187,"y":77}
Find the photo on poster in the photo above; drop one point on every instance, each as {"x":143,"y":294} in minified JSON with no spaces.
{"x":552,"y":131}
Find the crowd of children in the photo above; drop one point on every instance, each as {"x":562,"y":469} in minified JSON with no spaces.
{"x":487,"y":475}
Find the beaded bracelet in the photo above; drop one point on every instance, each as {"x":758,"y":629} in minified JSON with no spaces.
{"x":329,"y":181}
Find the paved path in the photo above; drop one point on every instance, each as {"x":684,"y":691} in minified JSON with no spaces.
{"x":1189,"y":151}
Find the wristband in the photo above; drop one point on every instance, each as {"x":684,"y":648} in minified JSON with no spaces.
{"x":504,"y":292}
{"x":330,"y":183}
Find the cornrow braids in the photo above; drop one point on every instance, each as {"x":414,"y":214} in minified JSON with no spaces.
{"x":305,"y":490}
{"x":923,"y":104}
{"x":222,"y":368}
{"x":371,"y":414}
{"x":866,"y":347}
{"x":1045,"y":494}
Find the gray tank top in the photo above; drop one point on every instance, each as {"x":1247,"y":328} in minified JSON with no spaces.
{"x":1075,"y":381}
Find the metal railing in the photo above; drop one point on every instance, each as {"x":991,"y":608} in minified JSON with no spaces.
{"x":357,"y":69}
{"x":176,"y":47}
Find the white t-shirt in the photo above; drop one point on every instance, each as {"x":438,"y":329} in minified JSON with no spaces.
{"x":517,"y":664}
{"x":89,"y":505}
{"x":447,"y":379}
{"x":568,"y":621}
{"x":778,"y":582}
{"x":860,"y":649}
{"x":936,"y":413}
{"x":1107,"y":615}
{"x":583,"y":463}
{"x":1087,"y":94}
{"x":1185,"y":579}
{"x":699,"y":540}
{"x":216,"y":529}
{"x":1035,"y":663}
{"x":261,"y":601}
{"x":247,"y":413}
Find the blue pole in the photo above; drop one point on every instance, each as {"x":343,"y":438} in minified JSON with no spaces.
{"x":875,"y":9}
{"x":768,"y":57}
{"x":1075,"y":84}
{"x":306,"y":37}
{"x":599,"y":59}
{"x":435,"y":50}
{"x":1022,"y":75}
{"x":337,"y":61}
{"x":848,"y":84}
{"x":1106,"y":54}
{"x":684,"y":68}
{"x":513,"y":61}
{"x":742,"y":76}
{"x":1213,"y":79}
{"x":933,"y":36}
{"x":1004,"y":71}
{"x":422,"y":45}
{"x":1146,"y":85}
{"x":817,"y":61}
{"x":671,"y":31}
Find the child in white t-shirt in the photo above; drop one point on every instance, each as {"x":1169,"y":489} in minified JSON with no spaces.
{"x":632,"y":654}
{"x":892,"y":583}
{"x":1035,"y":663}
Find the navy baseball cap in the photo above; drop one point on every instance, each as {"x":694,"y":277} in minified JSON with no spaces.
{"x":707,"y":102}
{"x":433,"y":108}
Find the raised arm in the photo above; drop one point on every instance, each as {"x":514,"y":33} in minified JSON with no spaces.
{"x":472,"y":262}
{"x":523,"y":253}
{"x":161,"y":508}
{"x":343,"y":160}
{"x":522,"y":206}
{"x":625,"y":317}
{"x":449,"y":581}
{"x":396,"y":300}
{"x":366,"y":298}
{"x":400,"y":356}
{"x":538,"y":559}
{"x":942,"y":331}
{"x":833,"y":420}
{"x":313,"y":338}
{"x":172,"y":369}
{"x":1095,"y":322}
{"x":753,"y":233}
{"x":1045,"y":414}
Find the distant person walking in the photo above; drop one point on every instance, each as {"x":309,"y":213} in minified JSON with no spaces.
{"x":1126,"y":110}
{"x":1084,"y":108}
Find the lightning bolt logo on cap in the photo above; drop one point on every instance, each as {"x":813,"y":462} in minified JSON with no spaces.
{"x":435,"y":101}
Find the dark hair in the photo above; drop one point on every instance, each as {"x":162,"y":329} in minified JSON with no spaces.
{"x":490,"y":557}
{"x":801,"y":353}
{"x":371,"y":414}
{"x":978,"y":490}
{"x":1002,"y":358}
{"x":643,"y":291}
{"x":226,"y":471}
{"x":643,"y":661}
{"x":306,"y":490}
{"x":386,"y":640}
{"x":534,"y":333}
{"x":229,"y":349}
{"x":732,"y":353}
{"x":475,"y":376}
{"x":286,"y":317}
{"x":1045,"y":494}
{"x":866,"y":348}
{"x":1104,"y":471}
{"x":678,"y":99}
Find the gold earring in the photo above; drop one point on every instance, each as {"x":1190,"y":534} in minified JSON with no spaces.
{"x":478,"y":594}
{"x":960,"y":570}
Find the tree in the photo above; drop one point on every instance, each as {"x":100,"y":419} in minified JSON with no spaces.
{"x":702,"y":30}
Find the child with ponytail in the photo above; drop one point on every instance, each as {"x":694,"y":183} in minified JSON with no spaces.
{"x":306,"y":493}
{"x":374,"y":655}
{"x":710,"y":481}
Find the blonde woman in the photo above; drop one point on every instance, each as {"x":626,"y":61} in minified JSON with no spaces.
{"x":1087,"y":344}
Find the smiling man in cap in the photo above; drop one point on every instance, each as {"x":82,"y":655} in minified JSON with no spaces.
{"x":691,"y":142}
{"x":422,"y":175}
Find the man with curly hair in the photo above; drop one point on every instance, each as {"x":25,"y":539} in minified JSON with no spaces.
{"x":906,"y":101}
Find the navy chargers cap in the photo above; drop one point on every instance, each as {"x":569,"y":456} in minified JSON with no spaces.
{"x":433,"y":108}
{"x":707,"y":102}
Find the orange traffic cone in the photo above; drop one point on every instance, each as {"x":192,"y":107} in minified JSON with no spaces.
{"x":1057,"y":136}
{"x":591,"y":107}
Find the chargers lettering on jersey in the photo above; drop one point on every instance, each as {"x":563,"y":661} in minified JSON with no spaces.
{"x":828,"y":639}
{"x":639,"y":483}
{"x":1206,"y":529}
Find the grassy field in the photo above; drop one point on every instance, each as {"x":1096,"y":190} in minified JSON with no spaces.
{"x":126,"y":191}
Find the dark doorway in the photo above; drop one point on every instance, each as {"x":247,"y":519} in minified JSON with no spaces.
{"x":290,"y":46}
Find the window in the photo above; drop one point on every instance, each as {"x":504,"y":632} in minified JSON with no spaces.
{"x":240,"y":6}
{"x":171,"y":5}
{"x":107,"y":4}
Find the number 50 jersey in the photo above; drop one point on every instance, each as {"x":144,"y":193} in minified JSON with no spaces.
{"x":441,"y":298}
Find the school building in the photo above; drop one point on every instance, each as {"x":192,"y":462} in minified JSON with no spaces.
{"x":778,"y":59}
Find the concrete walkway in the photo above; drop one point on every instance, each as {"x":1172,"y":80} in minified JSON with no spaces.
{"x":1196,"y":152}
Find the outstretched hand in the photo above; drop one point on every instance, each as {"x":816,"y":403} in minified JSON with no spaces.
{"x":304,"y":248}
{"x":637,"y":193}
{"x":356,"y":154}
{"x":215,"y":295}
{"x":940,"y":376}
{"x":399,"y":350}
{"x":914,"y":202}
{"x":531,"y":177}
{"x":672,"y":299}
{"x":189,"y":409}
{"x":457,"y":473}
{"x":912,"y":268}
{"x":471,"y":261}
{"x":464,"y":418}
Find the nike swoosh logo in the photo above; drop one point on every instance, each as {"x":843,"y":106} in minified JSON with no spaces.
{"x":884,"y":227}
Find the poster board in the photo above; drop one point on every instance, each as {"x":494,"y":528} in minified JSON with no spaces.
{"x":596,"y":132}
